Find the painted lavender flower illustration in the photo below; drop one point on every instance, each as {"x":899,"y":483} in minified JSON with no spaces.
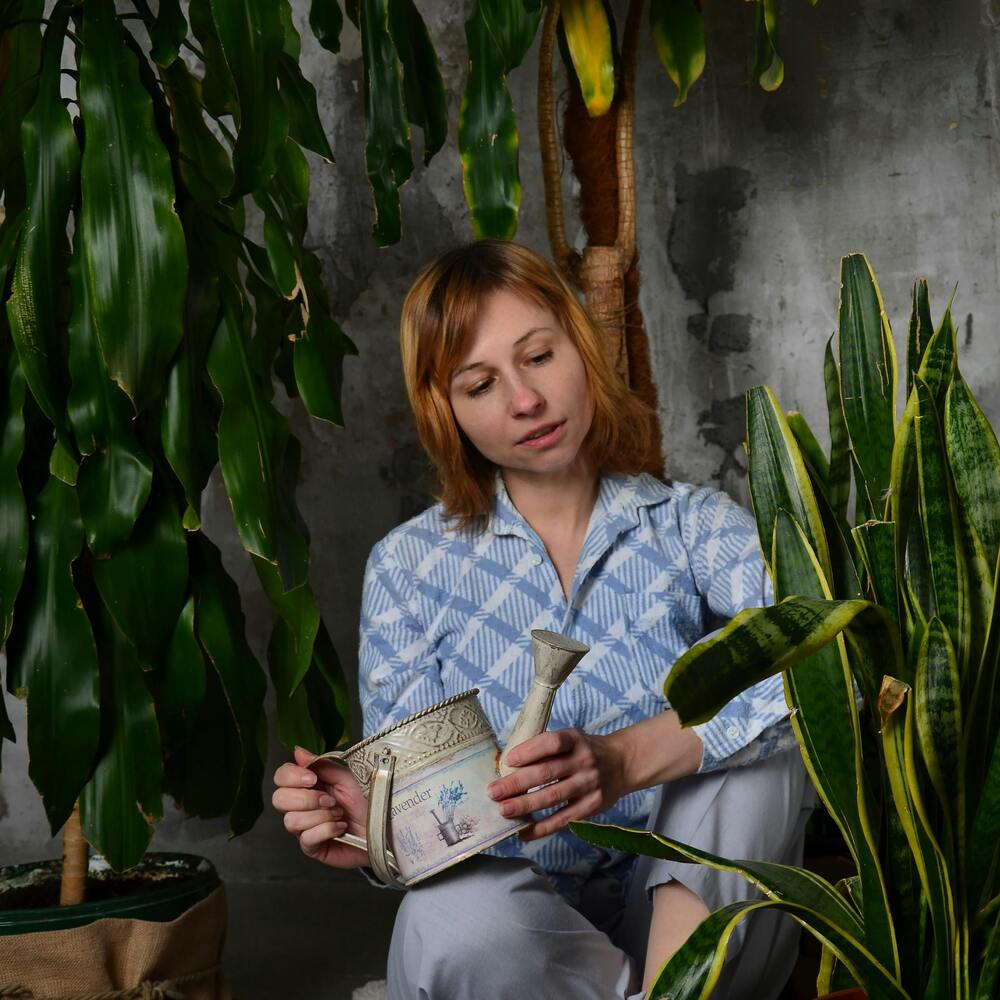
{"x":448,"y":799}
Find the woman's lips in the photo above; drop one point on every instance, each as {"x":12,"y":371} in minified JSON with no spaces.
{"x":546,"y":440}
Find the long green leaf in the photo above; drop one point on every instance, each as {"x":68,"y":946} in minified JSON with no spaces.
{"x":588,"y":38}
{"x":254,"y":452}
{"x":178,"y":685}
{"x":423,"y":88}
{"x":217,"y":84}
{"x":512,"y":24}
{"x":13,"y":511}
{"x":326,"y":21}
{"x":938,"y":365}
{"x":920,"y":331}
{"x":942,"y":531}
{"x":989,"y":973}
{"x":820,"y":693}
{"x":299,"y":97}
{"x":768,"y":68}
{"x":251,"y":37}
{"x":167,"y":33}
{"x":123,"y":797}
{"x":52,"y":658}
{"x":839,"y":479}
{"x":132,"y":244}
{"x":387,"y":153}
{"x":778,"y":476}
{"x":867,"y":374}
{"x":678,"y":30}
{"x":51,"y":168}
{"x":487,"y":135}
{"x":760,"y":642}
{"x":974,"y":458}
{"x":876,"y":542}
{"x":809,"y":446}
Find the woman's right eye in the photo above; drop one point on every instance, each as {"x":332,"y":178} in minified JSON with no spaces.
{"x":479,"y":388}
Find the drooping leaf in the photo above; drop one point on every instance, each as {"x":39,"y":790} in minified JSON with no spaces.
{"x":679,"y":35}
{"x":768,"y":69}
{"x":487,"y":135}
{"x":387,"y":152}
{"x":51,"y":168}
{"x":251,"y":37}
{"x":52,"y":658}
{"x":588,"y":38}
{"x":217,"y":85}
{"x":760,"y":642}
{"x":512,"y":25}
{"x":920,"y":331}
{"x":326,"y":20}
{"x":254,"y":451}
{"x":299,"y":97}
{"x":178,"y":685}
{"x":13,"y":512}
{"x":423,"y":88}
{"x":867,"y":375}
{"x":167,"y":32}
{"x":839,"y":477}
{"x":132,"y":244}
{"x":123,"y":798}
{"x":820,"y":692}
{"x":144,"y":605}
{"x":777,"y":474}
{"x":280,"y":253}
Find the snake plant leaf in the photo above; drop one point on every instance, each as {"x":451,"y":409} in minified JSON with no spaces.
{"x":678,"y":30}
{"x":52,"y":658}
{"x":808,"y":446}
{"x":423,"y":88}
{"x":178,"y":684}
{"x":51,"y":168}
{"x":941,"y":529}
{"x":299,"y":97}
{"x":251,"y":37}
{"x":920,"y":331}
{"x":839,"y":478}
{"x":145,"y":605}
{"x":989,"y":975}
{"x":974,"y":458}
{"x":167,"y":33}
{"x":768,"y":69}
{"x":867,"y":374}
{"x":824,"y":717}
{"x":876,"y":542}
{"x":760,"y":642}
{"x":512,"y":26}
{"x":487,"y":136}
{"x":776,"y":882}
{"x":190,"y":416}
{"x":13,"y":511}
{"x":901,"y":768}
{"x":132,"y":244}
{"x":203,"y":163}
{"x":17,"y":95}
{"x":123,"y":797}
{"x":220,"y":627}
{"x":326,"y":22}
{"x":217,"y":86}
{"x":387,"y":152}
{"x":254,"y":452}
{"x":778,"y":476}
{"x":938,"y":707}
{"x":938,"y":365}
{"x":588,"y":38}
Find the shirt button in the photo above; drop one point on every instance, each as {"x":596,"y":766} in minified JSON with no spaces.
{"x":732,"y":732}
{"x":536,"y":560}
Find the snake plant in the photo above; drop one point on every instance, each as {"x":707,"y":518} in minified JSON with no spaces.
{"x":141,"y":327}
{"x":889,"y":602}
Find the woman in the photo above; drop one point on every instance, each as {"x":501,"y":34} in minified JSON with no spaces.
{"x":543,"y":522}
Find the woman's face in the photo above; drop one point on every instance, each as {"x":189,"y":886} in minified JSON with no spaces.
{"x":520,"y":390}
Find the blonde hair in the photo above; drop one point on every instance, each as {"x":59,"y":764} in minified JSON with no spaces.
{"x":439,"y":314}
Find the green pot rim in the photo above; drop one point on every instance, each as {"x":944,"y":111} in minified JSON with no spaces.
{"x":160,"y":905}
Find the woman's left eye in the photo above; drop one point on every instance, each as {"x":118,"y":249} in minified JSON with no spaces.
{"x":540,"y":359}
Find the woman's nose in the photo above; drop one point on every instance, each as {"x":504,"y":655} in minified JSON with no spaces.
{"x":525,"y":399}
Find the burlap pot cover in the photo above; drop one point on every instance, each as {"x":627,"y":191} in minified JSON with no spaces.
{"x":133,"y":958}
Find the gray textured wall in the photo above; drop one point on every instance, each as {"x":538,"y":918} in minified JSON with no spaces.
{"x":883,"y":139}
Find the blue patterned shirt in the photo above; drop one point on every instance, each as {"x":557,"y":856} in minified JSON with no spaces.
{"x":444,"y":611}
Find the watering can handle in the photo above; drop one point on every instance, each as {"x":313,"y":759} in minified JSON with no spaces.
{"x":379,"y":794}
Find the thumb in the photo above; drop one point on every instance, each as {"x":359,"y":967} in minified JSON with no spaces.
{"x":303,"y":757}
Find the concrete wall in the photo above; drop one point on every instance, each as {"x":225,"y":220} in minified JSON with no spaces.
{"x":883,"y":139}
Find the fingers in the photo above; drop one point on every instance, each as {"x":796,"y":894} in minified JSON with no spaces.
{"x":294,"y":776}
{"x":303,"y":757}
{"x":579,"y":809}
{"x":548,"y":744}
{"x":567,"y":790}
{"x":300,"y":822}
{"x":299,"y":799}
{"x":313,"y":840}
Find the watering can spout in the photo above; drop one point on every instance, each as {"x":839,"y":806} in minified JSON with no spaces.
{"x":555,"y":657}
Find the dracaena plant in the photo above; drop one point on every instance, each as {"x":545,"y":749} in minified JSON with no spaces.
{"x":892,"y":603}
{"x":140,"y":330}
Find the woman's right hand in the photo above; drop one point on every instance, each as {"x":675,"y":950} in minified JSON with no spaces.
{"x":319,"y":805}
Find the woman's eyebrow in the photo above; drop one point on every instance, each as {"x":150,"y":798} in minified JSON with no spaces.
{"x":479,"y":364}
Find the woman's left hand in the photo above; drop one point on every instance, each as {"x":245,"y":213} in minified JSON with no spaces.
{"x":586,"y":773}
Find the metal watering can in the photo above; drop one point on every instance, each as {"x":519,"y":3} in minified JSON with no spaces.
{"x":425,"y":778}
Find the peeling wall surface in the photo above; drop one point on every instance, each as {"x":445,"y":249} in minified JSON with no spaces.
{"x":884,"y":138}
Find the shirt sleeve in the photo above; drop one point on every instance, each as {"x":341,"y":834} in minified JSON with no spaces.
{"x":721,"y":540}
{"x":398,"y":669}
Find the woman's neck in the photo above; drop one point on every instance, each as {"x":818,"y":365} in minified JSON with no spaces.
{"x":554,"y":505}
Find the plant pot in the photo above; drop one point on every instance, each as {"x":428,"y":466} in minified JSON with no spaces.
{"x":161,"y":922}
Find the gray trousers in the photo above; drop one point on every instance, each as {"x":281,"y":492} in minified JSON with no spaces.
{"x":494,"y":927}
